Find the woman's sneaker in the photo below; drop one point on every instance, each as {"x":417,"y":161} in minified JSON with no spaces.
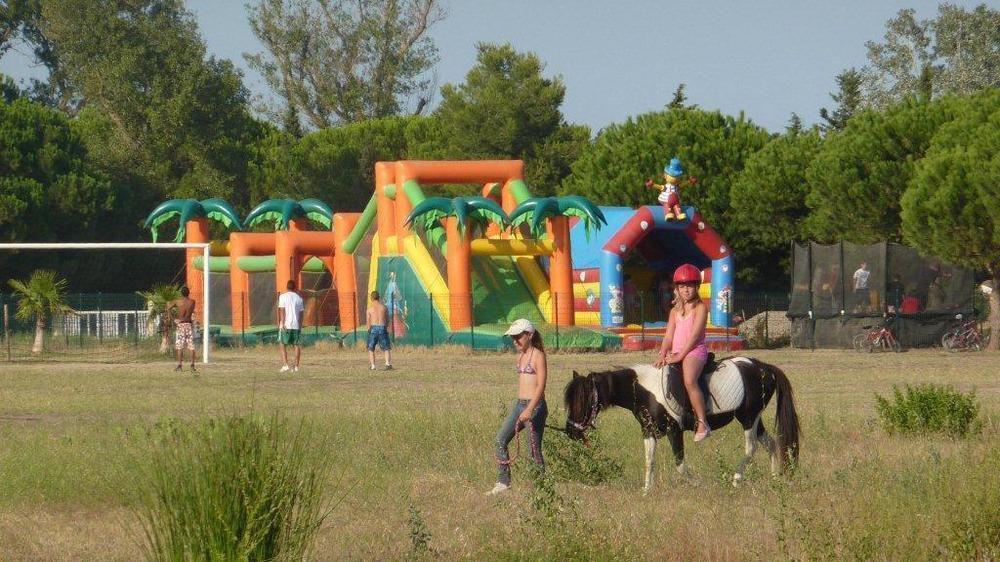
{"x":499,"y":488}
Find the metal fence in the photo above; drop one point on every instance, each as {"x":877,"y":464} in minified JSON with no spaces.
{"x":116,"y":327}
{"x":101,"y":327}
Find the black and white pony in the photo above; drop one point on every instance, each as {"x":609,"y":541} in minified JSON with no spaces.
{"x":736,"y":388}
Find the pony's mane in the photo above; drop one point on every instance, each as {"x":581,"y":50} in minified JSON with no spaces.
{"x":573,"y":388}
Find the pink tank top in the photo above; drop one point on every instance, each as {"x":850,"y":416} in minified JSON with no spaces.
{"x":682,"y":333}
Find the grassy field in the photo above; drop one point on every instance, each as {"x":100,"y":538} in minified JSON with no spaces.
{"x":410,"y":459}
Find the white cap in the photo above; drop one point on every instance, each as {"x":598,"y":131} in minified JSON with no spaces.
{"x":519,"y":327}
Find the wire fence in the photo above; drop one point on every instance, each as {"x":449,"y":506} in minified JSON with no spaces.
{"x":119,"y":327}
{"x":101,"y":327}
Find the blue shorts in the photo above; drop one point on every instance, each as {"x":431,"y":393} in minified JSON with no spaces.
{"x":378,"y":335}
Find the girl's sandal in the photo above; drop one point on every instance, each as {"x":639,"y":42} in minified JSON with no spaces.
{"x":699,"y":436}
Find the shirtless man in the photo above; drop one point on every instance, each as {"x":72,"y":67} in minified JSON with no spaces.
{"x":184,"y":337}
{"x":376,"y":315}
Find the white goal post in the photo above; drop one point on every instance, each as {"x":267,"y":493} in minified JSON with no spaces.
{"x":135,"y":246}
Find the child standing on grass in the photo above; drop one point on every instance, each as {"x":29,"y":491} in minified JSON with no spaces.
{"x":685,"y":340}
{"x":530,"y":409}
{"x":290,"y":307}
{"x":377,"y":334}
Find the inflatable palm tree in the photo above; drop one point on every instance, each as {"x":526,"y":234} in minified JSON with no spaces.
{"x":193,"y":228}
{"x":538,"y":209}
{"x":192,"y":209}
{"x":554,"y":212}
{"x":467,"y":211}
{"x":459,"y":215}
{"x":284,"y":211}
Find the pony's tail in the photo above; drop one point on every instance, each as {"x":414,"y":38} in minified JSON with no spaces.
{"x":786,"y":423}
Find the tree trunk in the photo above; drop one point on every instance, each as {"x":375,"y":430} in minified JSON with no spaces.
{"x":994,"y":300}
{"x":164,"y":334}
{"x":37,"y":347}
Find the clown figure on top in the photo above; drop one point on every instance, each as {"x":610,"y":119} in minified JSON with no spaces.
{"x":669,"y":191}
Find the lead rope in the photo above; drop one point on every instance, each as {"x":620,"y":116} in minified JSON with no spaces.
{"x":517,"y":446}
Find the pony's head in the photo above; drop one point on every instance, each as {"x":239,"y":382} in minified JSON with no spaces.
{"x":582,"y":405}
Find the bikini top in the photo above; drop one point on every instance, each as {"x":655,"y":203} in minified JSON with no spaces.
{"x":528,"y":369}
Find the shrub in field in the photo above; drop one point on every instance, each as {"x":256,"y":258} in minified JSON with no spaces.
{"x":570,"y":460}
{"x":236,"y":488}
{"x":929,"y":408}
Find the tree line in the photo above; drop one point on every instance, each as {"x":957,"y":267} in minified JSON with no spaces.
{"x":134,"y":110}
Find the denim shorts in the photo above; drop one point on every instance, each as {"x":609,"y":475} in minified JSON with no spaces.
{"x":378,"y":335}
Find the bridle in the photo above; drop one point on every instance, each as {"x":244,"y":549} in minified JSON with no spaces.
{"x":591,"y":421}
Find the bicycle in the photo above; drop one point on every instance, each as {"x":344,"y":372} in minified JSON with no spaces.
{"x":965,"y":336}
{"x":879,"y":338}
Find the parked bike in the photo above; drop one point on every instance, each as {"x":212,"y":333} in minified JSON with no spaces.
{"x":963,"y":337}
{"x":877,"y":338}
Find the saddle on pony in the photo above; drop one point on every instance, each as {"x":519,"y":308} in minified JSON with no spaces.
{"x":721,"y":383}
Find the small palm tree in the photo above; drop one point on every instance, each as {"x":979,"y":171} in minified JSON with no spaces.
{"x":283,"y":211}
{"x":157,"y":300}
{"x":43,"y":296}
{"x":541,"y":208}
{"x":188,"y":209}
{"x":468,"y":211}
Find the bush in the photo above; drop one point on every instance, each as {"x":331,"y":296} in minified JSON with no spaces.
{"x":572,"y":461}
{"x":930,"y":408}
{"x":237,"y":488}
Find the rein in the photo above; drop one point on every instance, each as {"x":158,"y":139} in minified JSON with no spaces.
{"x":591,"y":421}
{"x":517,"y":446}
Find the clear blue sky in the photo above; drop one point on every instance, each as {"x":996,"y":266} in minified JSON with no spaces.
{"x":622,"y":58}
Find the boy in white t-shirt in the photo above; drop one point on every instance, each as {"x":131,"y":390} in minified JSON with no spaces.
{"x":290,"y":307}
{"x":861,"y":277}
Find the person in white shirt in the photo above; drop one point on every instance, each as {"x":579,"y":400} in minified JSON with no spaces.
{"x":861,"y":276}
{"x":290,"y":307}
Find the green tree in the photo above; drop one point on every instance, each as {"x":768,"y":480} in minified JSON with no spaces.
{"x":768,"y":199}
{"x":848,"y":99}
{"x":951,"y":208}
{"x":713,"y":147}
{"x":334,"y":61}
{"x":858,"y":177}
{"x":20,"y":23}
{"x":336,"y":164}
{"x":956,"y":52}
{"x":167,"y":112}
{"x":507,"y":109}
{"x":49,"y":191}
{"x":679,"y":99}
{"x":40,"y":298}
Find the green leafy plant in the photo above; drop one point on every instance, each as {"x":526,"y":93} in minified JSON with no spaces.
{"x":43,"y":296}
{"x":929,"y":408}
{"x":571,"y":460}
{"x":236,"y":488}
{"x":420,"y":536}
{"x":158,"y":298}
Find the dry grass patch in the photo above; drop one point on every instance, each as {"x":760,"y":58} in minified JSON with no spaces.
{"x":420,"y":437}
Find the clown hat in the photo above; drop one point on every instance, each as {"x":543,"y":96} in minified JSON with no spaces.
{"x":674,"y":168}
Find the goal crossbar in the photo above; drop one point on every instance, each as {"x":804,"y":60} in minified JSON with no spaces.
{"x":135,"y":246}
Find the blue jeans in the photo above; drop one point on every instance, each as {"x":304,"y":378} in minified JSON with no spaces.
{"x":531,"y":439}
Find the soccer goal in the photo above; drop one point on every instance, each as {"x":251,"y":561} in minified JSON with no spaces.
{"x":113,"y":326}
